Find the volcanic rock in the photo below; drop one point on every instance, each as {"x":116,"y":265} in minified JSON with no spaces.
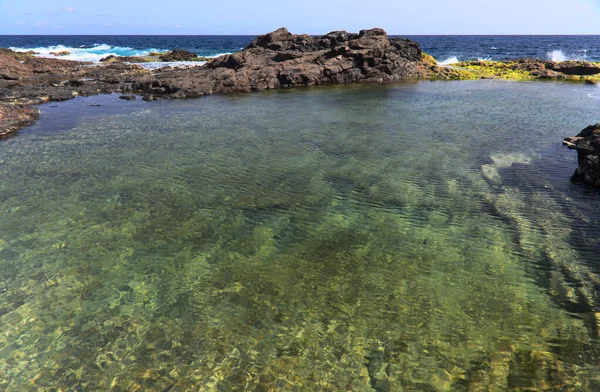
{"x":587,"y":145}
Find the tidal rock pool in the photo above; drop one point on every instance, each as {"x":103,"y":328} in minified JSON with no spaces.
{"x":417,"y":237}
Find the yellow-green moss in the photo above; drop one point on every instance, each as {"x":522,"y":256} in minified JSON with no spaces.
{"x":514,"y":70}
{"x":428,"y":59}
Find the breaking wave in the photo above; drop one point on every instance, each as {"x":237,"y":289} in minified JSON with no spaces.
{"x":89,"y":53}
{"x":92,"y":53}
{"x":556,"y":55}
{"x":559,"y":55}
{"x":450,"y":60}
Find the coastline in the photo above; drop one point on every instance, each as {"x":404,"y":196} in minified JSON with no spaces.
{"x":275,"y":60}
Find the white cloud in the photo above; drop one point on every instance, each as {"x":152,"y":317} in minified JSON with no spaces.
{"x":69,"y":9}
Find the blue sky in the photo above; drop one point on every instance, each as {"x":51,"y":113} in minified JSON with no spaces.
{"x":306,"y":16}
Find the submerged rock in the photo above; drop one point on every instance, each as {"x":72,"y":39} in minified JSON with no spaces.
{"x":125,"y":59}
{"x":178,"y":55}
{"x":61,"y":53}
{"x":587,"y":144}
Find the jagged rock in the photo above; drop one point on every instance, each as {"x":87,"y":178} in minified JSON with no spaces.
{"x":128,"y":97}
{"x":587,"y":145}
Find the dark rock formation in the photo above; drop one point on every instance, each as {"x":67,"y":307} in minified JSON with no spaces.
{"x":587,"y":145}
{"x":574,"y":67}
{"x":281,"y":59}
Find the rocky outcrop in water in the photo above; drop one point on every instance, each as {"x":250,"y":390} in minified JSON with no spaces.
{"x":587,"y":145}
{"x":281,"y":59}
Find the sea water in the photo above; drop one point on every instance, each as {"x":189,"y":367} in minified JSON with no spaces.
{"x":445,"y":48}
{"x":425,"y":236}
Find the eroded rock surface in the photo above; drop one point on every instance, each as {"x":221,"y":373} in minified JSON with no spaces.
{"x":587,"y":145}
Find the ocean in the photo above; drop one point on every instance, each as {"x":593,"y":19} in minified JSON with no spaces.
{"x":419,"y":236}
{"x":444,"y":48}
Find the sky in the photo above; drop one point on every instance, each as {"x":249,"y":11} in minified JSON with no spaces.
{"x":305,"y":16}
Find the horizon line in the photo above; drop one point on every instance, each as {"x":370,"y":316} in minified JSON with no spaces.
{"x":254,"y":35}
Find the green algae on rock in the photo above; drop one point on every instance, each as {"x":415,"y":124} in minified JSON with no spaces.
{"x":531,"y":69}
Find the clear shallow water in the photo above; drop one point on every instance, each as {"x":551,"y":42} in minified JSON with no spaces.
{"x":355,"y":238}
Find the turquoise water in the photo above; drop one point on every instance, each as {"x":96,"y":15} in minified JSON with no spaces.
{"x":417,"y":237}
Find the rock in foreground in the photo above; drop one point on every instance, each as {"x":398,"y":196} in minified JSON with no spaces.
{"x":587,"y":144}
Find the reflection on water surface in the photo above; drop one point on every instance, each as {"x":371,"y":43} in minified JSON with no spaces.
{"x":419,"y":237}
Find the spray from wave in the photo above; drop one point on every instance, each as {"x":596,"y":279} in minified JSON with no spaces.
{"x":94,"y":53}
{"x":556,"y":55}
{"x":450,"y":60}
{"x":559,"y":55}
{"x":88,"y":53}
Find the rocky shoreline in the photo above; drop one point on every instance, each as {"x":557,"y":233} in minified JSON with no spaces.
{"x":275,"y":60}
{"x":587,"y":145}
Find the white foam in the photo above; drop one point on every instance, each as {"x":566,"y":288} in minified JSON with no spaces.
{"x":450,"y":60}
{"x":93,"y":54}
{"x":556,"y":55}
{"x":99,"y":51}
